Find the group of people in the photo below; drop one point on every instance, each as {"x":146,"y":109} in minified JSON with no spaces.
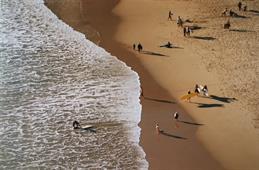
{"x":231,"y":13}
{"x":139,"y":47}
{"x":201,"y":89}
{"x":186,"y":29}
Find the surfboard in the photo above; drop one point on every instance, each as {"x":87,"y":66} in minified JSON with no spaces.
{"x":87,"y":126}
{"x":188,"y":96}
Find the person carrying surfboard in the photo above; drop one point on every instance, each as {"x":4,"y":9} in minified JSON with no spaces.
{"x":205,"y":90}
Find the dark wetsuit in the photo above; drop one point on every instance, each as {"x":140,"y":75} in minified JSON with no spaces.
{"x":76,"y":125}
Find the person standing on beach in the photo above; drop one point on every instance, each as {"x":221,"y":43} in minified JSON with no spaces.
{"x":239,"y":5}
{"x":176,"y":116}
{"x":134,"y":46}
{"x":197,"y":89}
{"x":184,"y":31}
{"x":245,"y":8}
{"x":189,"y":98}
{"x":170,"y":16}
{"x":179,"y":21}
{"x":158,"y":131}
{"x":139,"y":47}
{"x":205,"y":90}
{"x":141,"y":92}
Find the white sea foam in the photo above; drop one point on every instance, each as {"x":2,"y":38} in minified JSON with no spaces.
{"x":51,"y":75}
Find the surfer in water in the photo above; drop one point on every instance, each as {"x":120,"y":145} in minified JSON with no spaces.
{"x":76,"y":125}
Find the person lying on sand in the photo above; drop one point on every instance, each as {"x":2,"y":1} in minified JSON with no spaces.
{"x":227,"y":25}
{"x":189,"y":98}
{"x":168,"y":45}
{"x":176,"y":116}
{"x":233,"y":14}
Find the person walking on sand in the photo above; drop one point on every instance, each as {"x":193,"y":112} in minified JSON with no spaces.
{"x":176,"y":116}
{"x":188,"y":31}
{"x":158,"y":131}
{"x":140,"y":47}
{"x":205,"y":90}
{"x":239,"y":5}
{"x":189,"y":98}
{"x":184,"y":31}
{"x":134,"y":46}
{"x":179,"y":21}
{"x":197,"y":89}
{"x":170,"y":16}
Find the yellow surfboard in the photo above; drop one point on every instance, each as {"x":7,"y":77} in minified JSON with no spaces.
{"x":188,"y":96}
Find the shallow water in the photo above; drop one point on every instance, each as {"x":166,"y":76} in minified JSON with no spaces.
{"x":51,"y":75}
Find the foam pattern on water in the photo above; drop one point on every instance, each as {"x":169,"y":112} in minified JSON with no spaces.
{"x":51,"y":75}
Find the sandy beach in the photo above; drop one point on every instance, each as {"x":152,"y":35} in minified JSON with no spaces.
{"x":215,"y":132}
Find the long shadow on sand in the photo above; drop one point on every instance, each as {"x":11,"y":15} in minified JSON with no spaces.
{"x":240,"y":30}
{"x":223,"y":99}
{"x":255,"y":12}
{"x":196,"y":27}
{"x":191,"y":123}
{"x":173,"y":136}
{"x":204,"y":38}
{"x":154,"y":53}
{"x":171,"y":47}
{"x":240,"y":16}
{"x":205,"y":105}
{"x":159,"y":100}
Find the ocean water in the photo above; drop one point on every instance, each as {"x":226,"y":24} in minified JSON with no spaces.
{"x":51,"y":75}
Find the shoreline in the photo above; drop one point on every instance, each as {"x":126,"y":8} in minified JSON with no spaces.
{"x":158,"y":158}
{"x":202,"y":149}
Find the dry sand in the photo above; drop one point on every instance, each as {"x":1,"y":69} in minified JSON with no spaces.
{"x":216,"y":132}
